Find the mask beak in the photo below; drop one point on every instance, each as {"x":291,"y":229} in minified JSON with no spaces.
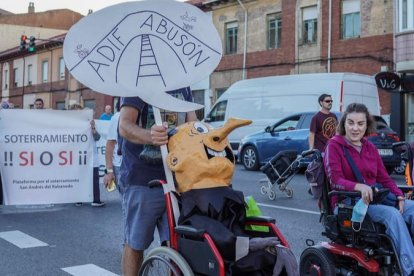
{"x":220,"y":134}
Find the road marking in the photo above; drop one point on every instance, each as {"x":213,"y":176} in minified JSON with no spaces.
{"x":21,"y":239}
{"x":88,"y":269}
{"x":288,"y":208}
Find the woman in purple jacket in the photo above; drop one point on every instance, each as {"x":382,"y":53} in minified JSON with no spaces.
{"x":355,"y":124}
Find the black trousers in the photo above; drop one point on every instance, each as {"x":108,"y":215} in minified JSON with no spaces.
{"x":96,"y":192}
{"x":1,"y":192}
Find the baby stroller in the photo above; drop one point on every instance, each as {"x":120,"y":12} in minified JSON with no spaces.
{"x":279,"y":171}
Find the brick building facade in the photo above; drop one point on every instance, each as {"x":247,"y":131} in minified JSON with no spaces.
{"x":402,"y":102}
{"x":283,"y":37}
{"x":26,"y":76}
{"x":366,"y":51}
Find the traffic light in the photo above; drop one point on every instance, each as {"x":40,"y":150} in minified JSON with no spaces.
{"x":23,"y":39}
{"x":32,"y":44}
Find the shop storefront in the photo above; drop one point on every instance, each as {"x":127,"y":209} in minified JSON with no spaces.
{"x":402,"y":104}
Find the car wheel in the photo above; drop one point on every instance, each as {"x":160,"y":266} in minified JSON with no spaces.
{"x":250,"y":159}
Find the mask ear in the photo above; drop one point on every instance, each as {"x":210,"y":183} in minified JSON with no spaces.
{"x":172,"y":162}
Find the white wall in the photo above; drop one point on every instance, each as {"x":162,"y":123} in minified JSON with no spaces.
{"x":10,"y":34}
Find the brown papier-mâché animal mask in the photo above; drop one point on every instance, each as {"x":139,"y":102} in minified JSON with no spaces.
{"x":200,"y":156}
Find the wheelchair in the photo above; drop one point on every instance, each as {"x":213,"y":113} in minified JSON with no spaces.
{"x":192,"y":251}
{"x":368,"y":251}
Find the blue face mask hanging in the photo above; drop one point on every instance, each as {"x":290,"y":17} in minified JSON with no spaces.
{"x":358,"y":214}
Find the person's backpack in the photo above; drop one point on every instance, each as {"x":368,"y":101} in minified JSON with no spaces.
{"x":315,"y":175}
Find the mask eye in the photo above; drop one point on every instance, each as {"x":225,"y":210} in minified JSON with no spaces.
{"x":200,"y":127}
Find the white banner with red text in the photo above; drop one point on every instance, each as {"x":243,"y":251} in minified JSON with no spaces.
{"x":46,"y":156}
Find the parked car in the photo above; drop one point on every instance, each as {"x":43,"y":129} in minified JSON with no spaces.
{"x":292,"y":132}
{"x":268,"y":99}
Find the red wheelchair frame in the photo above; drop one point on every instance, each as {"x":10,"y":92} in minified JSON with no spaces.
{"x":186,"y":240}
{"x":366,"y":252}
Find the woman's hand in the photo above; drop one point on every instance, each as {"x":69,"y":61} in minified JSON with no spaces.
{"x":401,"y":202}
{"x":366,"y":192}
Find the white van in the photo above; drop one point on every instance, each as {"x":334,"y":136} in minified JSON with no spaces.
{"x":266,"y":100}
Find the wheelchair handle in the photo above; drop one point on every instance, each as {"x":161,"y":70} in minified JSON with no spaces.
{"x":252,"y":220}
{"x":156,"y":183}
{"x":311,"y":152}
{"x":406,"y":188}
{"x":344,"y":193}
{"x":189,"y":231}
{"x":378,"y":195}
{"x":399,"y":144}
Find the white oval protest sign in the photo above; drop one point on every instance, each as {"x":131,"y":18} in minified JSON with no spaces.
{"x":144,"y":49}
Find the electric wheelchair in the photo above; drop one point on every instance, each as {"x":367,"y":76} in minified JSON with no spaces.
{"x":192,"y":251}
{"x":368,"y":251}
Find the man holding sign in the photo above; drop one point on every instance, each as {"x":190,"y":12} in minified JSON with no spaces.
{"x":144,"y":207}
{"x":140,"y":50}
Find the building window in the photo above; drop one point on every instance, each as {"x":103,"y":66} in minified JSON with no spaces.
{"x":29,"y":74}
{"x":91,"y":104}
{"x":45,"y":71}
{"x":404,"y":11}
{"x":274,"y":30}
{"x":198,"y":96}
{"x":406,"y":15}
{"x":309,"y":24}
{"x":351,"y":18}
{"x":61,"y":69}
{"x":6,"y":79}
{"x":60,"y":105}
{"x":231,"y":38}
{"x":15,"y":77}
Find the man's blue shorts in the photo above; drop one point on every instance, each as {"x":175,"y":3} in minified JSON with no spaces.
{"x":143,"y":209}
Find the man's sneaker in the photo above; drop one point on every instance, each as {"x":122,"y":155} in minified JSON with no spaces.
{"x":98,"y":204}
{"x":77,"y":204}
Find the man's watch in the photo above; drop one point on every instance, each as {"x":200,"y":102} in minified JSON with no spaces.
{"x":109,"y":171}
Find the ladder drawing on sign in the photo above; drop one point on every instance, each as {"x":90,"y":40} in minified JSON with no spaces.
{"x":148,"y":66}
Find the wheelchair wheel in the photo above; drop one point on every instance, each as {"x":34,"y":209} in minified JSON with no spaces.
{"x":165,"y":261}
{"x":316,"y":260}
